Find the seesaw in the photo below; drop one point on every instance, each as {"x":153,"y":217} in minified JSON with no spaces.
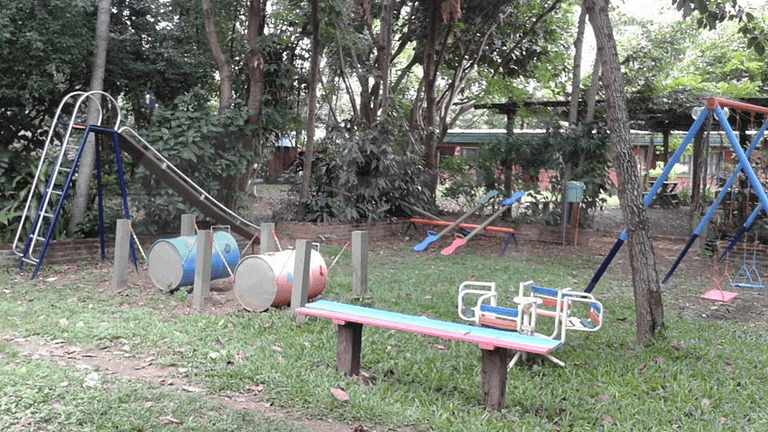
{"x":431,"y":238}
{"x":504,"y":207}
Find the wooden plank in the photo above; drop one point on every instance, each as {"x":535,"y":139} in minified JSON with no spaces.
{"x":348,"y":348}
{"x":493,"y":372}
{"x":483,"y":337}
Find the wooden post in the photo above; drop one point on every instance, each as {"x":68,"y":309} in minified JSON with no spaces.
{"x":348,"y":347}
{"x":202,"y":285}
{"x":494,"y":378}
{"x":300,"y":288}
{"x":187,"y":224}
{"x":122,"y":250}
{"x":359,"y":263}
{"x":267,"y":240}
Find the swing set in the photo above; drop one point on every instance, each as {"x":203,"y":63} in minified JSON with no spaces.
{"x":715,"y":107}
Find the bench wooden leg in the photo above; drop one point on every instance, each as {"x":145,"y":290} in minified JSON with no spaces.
{"x":348,"y":347}
{"x":494,"y":378}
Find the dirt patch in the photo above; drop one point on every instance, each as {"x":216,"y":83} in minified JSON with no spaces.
{"x":117,"y":361}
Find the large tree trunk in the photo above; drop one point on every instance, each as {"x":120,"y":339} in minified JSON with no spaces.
{"x":222,"y":62}
{"x":88,"y":156}
{"x":430,"y":75}
{"x":314,"y":72}
{"x":649,"y":310}
{"x":255,"y":59}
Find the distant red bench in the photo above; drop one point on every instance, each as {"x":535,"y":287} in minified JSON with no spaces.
{"x":469,"y":227}
{"x":493,"y":343}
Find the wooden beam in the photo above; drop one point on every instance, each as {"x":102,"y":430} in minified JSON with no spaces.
{"x":348,"y":348}
{"x":494,"y":378}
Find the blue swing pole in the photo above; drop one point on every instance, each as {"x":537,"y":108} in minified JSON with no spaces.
{"x":743,"y":159}
{"x":649,"y":197}
{"x":726,"y":187}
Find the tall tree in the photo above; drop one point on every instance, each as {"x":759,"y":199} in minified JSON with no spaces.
{"x":314,"y":74}
{"x":649,"y":309}
{"x":88,"y":156}
{"x":223,"y":63}
{"x":256,"y":58}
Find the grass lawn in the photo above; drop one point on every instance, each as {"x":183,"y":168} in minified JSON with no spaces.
{"x":703,"y":375}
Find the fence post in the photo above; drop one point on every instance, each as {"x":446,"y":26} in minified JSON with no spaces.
{"x":202,"y":284}
{"x":187,"y":224}
{"x":359,"y":263}
{"x":300,"y":288}
{"x":267,"y":242}
{"x":122,"y":250}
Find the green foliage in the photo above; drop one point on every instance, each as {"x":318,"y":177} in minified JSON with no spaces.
{"x":364,"y":174}
{"x":584,"y":148}
{"x":465,"y":179}
{"x":210,"y":149}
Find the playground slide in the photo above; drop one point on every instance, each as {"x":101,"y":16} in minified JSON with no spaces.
{"x":157,"y":165}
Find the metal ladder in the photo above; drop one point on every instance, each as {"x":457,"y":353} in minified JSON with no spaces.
{"x":44,"y":206}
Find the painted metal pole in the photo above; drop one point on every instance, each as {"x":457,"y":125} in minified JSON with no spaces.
{"x":725,"y":189}
{"x":743,"y":159}
{"x":649,"y":197}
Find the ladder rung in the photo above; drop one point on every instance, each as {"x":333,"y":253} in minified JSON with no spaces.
{"x":30,"y":260}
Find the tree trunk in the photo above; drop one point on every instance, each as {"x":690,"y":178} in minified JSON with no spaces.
{"x":573,"y":111}
{"x":222,"y":62}
{"x":88,"y":156}
{"x":429,"y":131}
{"x":593,"y":87}
{"x":309,"y":147}
{"x":255,"y":59}
{"x":649,"y":310}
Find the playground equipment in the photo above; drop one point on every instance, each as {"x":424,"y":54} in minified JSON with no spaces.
{"x":714,"y":106}
{"x":493,"y":343}
{"x":748,"y":275}
{"x":432,"y":237}
{"x":266,"y":280}
{"x":567,"y":309}
{"x":65,"y":158}
{"x":505,"y":205}
{"x":172,"y":261}
{"x":63,"y":148}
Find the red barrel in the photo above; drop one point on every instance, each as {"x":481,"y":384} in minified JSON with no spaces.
{"x":266,"y":280}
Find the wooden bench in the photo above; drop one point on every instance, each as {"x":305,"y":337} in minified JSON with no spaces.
{"x":466,"y":228}
{"x":493,"y":343}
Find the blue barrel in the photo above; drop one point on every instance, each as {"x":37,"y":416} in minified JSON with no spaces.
{"x":172,"y":261}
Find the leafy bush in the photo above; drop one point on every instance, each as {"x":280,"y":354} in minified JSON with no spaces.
{"x":364,"y":175}
{"x":208,"y":148}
